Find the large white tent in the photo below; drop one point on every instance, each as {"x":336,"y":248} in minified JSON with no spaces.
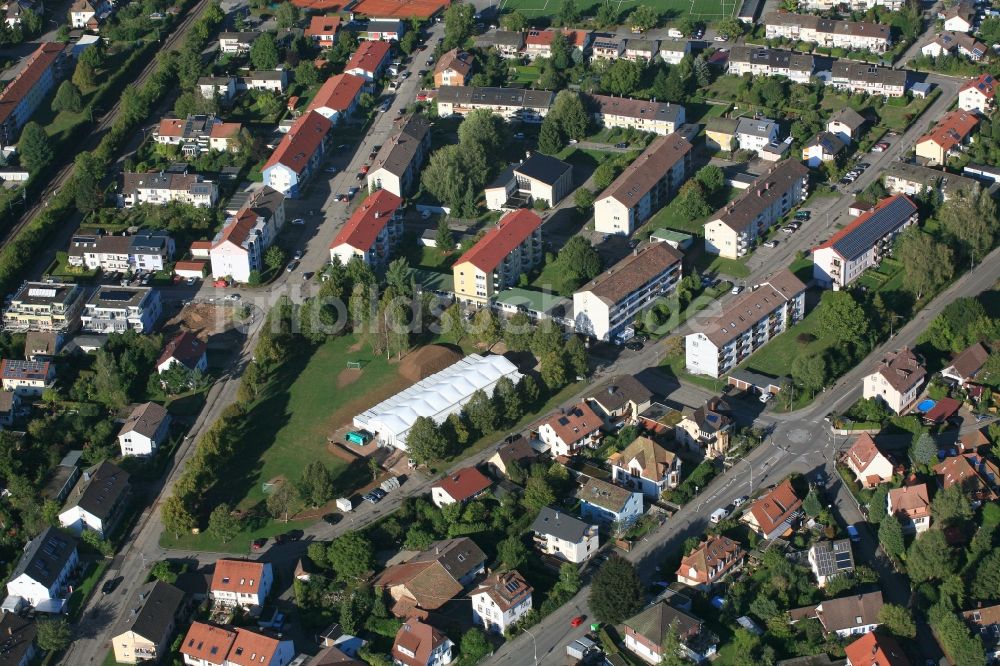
{"x":436,"y":397}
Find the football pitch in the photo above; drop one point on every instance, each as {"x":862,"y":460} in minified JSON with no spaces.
{"x":703,"y":10}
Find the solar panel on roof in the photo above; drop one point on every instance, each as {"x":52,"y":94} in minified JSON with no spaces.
{"x":882,"y":222}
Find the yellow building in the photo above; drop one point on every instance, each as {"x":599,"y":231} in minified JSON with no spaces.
{"x":720,"y":134}
{"x":147,"y":632}
{"x":45,"y":306}
{"x":512,"y":247}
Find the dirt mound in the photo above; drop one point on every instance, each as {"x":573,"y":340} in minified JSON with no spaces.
{"x":425,"y":361}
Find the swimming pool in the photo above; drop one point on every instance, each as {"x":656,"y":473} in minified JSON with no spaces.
{"x":926,"y":406}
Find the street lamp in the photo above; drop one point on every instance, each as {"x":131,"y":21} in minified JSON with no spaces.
{"x":534,"y":645}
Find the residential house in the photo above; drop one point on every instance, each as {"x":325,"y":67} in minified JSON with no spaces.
{"x":538,"y":43}
{"x":83,"y":16}
{"x":19,"y":633}
{"x":846,"y":124}
{"x":29,"y":89}
{"x":853,"y":35}
{"x":433,"y":577}
{"x":186,"y":349}
{"x":389,"y":29}
{"x":829,"y":559}
{"x":420,"y":644}
{"x":512,"y":247}
{"x":896,"y":381}
{"x":10,"y":405}
{"x":606,"y":307}
{"x":912,"y":506}
{"x":521,"y":104}
{"x":146,"y":632}
{"x":855,"y":5}
{"x":369,"y":60}
{"x":144,"y":430}
{"x":859,"y":77}
{"x":644,"y":186}
{"x":870,"y":466}
{"x":42,"y":575}
{"x":735,"y":228}
{"x":645,"y":634}
{"x":211,"y":645}
{"x":774,"y":513}
{"x":620,"y":401}
{"x":913,"y":179}
{"x":459,"y":487}
{"x":114,"y":309}
{"x":977,"y":476}
{"x":564,"y":537}
{"x":960,"y":17}
{"x":26,"y":378}
{"x":755,"y":133}
{"x":500,"y":601}
{"x":299,"y":153}
{"x":243,"y":583}
{"x":207,"y":645}
{"x":145,"y":251}
{"x":45,"y":306}
{"x":42,"y":345}
{"x":847,"y":616}
{"x":720,"y":134}
{"x":947,"y":137}
{"x":515,"y":451}
{"x":952,"y":43}
{"x":762,"y":61}
{"x":672,"y":51}
{"x":985,"y":621}
{"x":966,"y":366}
{"x":198,"y":134}
{"x":338,"y":97}
{"x":646,"y":466}
{"x":641,"y":50}
{"x":710,"y":562}
{"x":453,"y":68}
{"x":874,"y":649}
{"x":607,"y":47}
{"x":863,"y":243}
{"x":273,"y":80}
{"x":707,"y":428}
{"x":570,"y":429}
{"x":822,"y":148}
{"x":238,"y":249}
{"x":97,"y":501}
{"x":237,"y":43}
{"x":397,"y":166}
{"x":607,"y":504}
{"x":221,"y":88}
{"x":539,"y":178}
{"x":372,"y":232}
{"x":745,"y":325}
{"x":323,"y":30}
{"x":507,"y":43}
{"x":161,"y":188}
{"x":977,"y":95}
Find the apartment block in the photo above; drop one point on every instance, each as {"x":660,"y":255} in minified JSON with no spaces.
{"x":22,"y":96}
{"x":734,"y":230}
{"x":372,"y":232}
{"x":644,"y":187}
{"x":913,"y":179}
{"x":762,"y":61}
{"x":855,"y":35}
{"x":512,"y":247}
{"x":145,"y":251}
{"x":861,"y":77}
{"x":745,"y":325}
{"x":45,"y":306}
{"x":299,"y":153}
{"x":114,"y":309}
{"x":397,"y":166}
{"x":644,"y":115}
{"x":198,"y":134}
{"x":510,"y":103}
{"x":238,"y":249}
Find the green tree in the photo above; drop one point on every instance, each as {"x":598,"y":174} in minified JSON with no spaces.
{"x":67,"y":98}
{"x":425,"y":442}
{"x":176,"y":517}
{"x":399,"y":277}
{"x":443,"y":238}
{"x":986,"y":579}
{"x":690,"y":201}
{"x":812,"y":504}
{"x":274,"y":258}
{"x":924,"y":450}
{"x":553,"y":371}
{"x":538,"y":493}
{"x":550,"y":139}
{"x":950,"y":508}
{"x":286,"y":14}
{"x":350,"y":555}
{"x":570,"y":115}
{"x":84,"y":75}
{"x":897,"y":620}
{"x":711,"y":178}
{"x":569,"y":13}
{"x":224,"y":523}
{"x":671,"y":648}
{"x":643,"y":17}
{"x":877,"y":505}
{"x":616,"y":591}
{"x":486,"y":328}
{"x":576,"y":356}
{"x":517,"y":333}
{"x":729,"y":27}
{"x":970,"y":219}
{"x":306,"y":73}
{"x":842,"y":317}
{"x":621,"y":77}
{"x":511,"y":553}
{"x":927,"y":264}
{"x":474,"y":647}
{"x":485,"y":129}
{"x":459,"y":25}
{"x":162,"y":571}
{"x":315,"y":487}
{"x":281,"y":500}
{"x":890,"y":535}
{"x":809,"y":372}
{"x":929,"y":556}
{"x":607,"y":15}
{"x":53,"y":634}
{"x":264,"y":52}
{"x":481,"y":412}
{"x":515,"y":21}
{"x":34,"y":147}
{"x":584,"y":200}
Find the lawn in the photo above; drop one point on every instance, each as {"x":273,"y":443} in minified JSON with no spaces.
{"x":238,"y":545}
{"x":669,"y":216}
{"x":699,"y":113}
{"x":61,"y":269}
{"x":776,"y":357}
{"x":524,"y":75}
{"x":899,"y":118}
{"x":716,"y":265}
{"x":696,"y":9}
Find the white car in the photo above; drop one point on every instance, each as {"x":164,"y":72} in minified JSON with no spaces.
{"x":674,"y":33}
{"x":765,"y":397}
{"x":298,"y":222}
{"x":736,"y":289}
{"x":721,"y":38}
{"x":771,"y":244}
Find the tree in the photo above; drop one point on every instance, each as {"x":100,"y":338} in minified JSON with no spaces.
{"x":569,"y":13}
{"x":691,"y":202}
{"x":570,"y":115}
{"x":950,"y":507}
{"x":729,"y":27}
{"x":584,"y":200}
{"x":621,"y":77}
{"x":986,"y":580}
{"x":34,"y":148}
{"x":517,"y":333}
{"x":443,"y":238}
{"x":224,"y":523}
{"x":274,"y":258}
{"x":927,"y":264}
{"x":711,"y":178}
{"x":643,"y":18}
{"x":482,"y":413}
{"x":399,"y":277}
{"x":474,"y":647}
{"x":459,"y":25}
{"x":162,"y":571}
{"x":306,"y":72}
{"x":686,"y":25}
{"x":878,"y":506}
{"x":315,"y":487}
{"x":842,"y":317}
{"x":550,"y":139}
{"x":84,"y":76}
{"x":576,"y":356}
{"x":54,"y":634}
{"x":508,"y":400}
{"x":512,"y":553}
{"x":67,"y":98}
{"x":898,"y":620}
{"x":350,"y":555}
{"x":286,"y":14}
{"x":924,"y":449}
{"x":486,"y":328}
{"x":554,"y":371}
{"x":425,"y":441}
{"x":671,"y":648}
{"x":538,"y":493}
{"x":890,"y":535}
{"x":579,"y":261}
{"x":281,"y":499}
{"x":515,"y":21}
{"x":929,"y":556}
{"x":812,"y":505}
{"x":264,"y":52}
{"x":809,"y":372}
{"x":483,"y":128}
{"x":616,"y":592}
{"x":176,"y":517}
{"x":970,"y":218}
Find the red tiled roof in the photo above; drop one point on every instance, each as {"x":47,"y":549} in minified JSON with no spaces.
{"x":418,"y":639}
{"x":338,"y":93}
{"x":401,"y":9}
{"x":862,"y":219}
{"x":971,"y":472}
{"x":186,"y":348}
{"x":320,"y":5}
{"x":863,"y":452}
{"x":711,"y":559}
{"x":943,"y":410}
{"x":225,"y":130}
{"x":970,"y":361}
{"x":39,"y":62}
{"x":775,"y":507}
{"x":501,"y":240}
{"x":301,"y":142}
{"x":577,"y":422}
{"x":369,"y":56}
{"x":875,"y":650}
{"x":985,"y":84}
{"x":321,"y":26}
{"x":193,"y":265}
{"x":208,"y":642}
{"x":368,"y":220}
{"x":201,"y":245}
{"x":910,"y":500}
{"x":171,"y":127}
{"x":237,"y":232}
{"x":241,"y":576}
{"x":456,"y":60}
{"x":252,"y":649}
{"x":464,"y":483}
{"x":952,"y":129}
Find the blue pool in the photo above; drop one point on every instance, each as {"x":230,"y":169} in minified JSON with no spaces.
{"x":926,"y":406}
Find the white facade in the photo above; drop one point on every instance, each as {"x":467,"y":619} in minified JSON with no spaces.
{"x":877,"y":386}
{"x":77,"y":519}
{"x":754,"y":134}
{"x":46,"y":598}
{"x":570,"y":551}
{"x":103,"y":315}
{"x":244,"y":597}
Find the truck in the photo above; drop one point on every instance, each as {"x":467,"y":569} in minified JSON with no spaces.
{"x":718,"y":516}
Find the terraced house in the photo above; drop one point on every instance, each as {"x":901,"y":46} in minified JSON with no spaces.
{"x":623,"y":112}
{"x":860,"y":77}
{"x":510,"y":103}
{"x":762,"y":61}
{"x":161,"y":188}
{"x":512,"y":247}
{"x":710,"y":562}
{"x":853,"y":35}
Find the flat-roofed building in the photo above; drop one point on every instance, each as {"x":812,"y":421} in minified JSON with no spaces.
{"x":372,"y":232}
{"x":397,"y":165}
{"x":497,"y":260}
{"x":644,"y":115}
{"x":762,"y":61}
{"x":114,"y":309}
{"x":45,"y":306}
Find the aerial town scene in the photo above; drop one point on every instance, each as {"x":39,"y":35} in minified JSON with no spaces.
{"x":515,"y":332}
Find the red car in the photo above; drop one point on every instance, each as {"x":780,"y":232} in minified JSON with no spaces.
{"x":257,"y":544}
{"x":364,"y":169}
{"x":577,"y":621}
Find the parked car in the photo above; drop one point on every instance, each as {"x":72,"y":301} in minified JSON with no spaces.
{"x":191,"y":281}
{"x":297,"y":255}
{"x":633,"y":345}
{"x":736,"y":289}
{"x":110,"y":585}
{"x":298,"y":222}
{"x":739,"y":501}
{"x":621,"y":145}
{"x":292,"y":265}
{"x":577,"y":621}
{"x":258,"y":543}
{"x":853,"y":533}
{"x":803,"y":215}
{"x":765,"y":397}
{"x":771,"y":244}
{"x":721,"y":38}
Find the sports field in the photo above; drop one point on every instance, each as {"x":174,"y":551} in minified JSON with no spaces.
{"x":704,"y":10}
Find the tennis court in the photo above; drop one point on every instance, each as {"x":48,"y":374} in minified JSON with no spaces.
{"x":704,"y":10}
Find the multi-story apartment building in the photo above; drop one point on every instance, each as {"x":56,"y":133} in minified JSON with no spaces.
{"x":299,"y":153}
{"x":641,"y":49}
{"x":855,"y":5}
{"x":242,"y":583}
{"x":745,"y":325}
{"x":397,"y":165}
{"x":198,"y":134}
{"x":606,"y":307}
{"x":146,"y":632}
{"x":511,"y":103}
{"x":97,"y":501}
{"x":369,"y":60}
{"x":22,"y":96}
{"x":913,"y":179}
{"x":896,"y":381}
{"x":160,"y":188}
{"x":623,"y":112}
{"x":42,"y":575}
{"x":643,"y":187}
{"x":538,"y":43}
{"x":45,"y":306}
{"x":762,"y":61}
{"x":952,"y":132}
{"x":453,"y":68}
{"x":237,"y":42}
{"x":734,"y":229}
{"x":564,"y":537}
{"x":338,"y":97}
{"x":145,"y":251}
{"x":863,"y":243}
{"x":855,"y":35}
{"x":500,"y":601}
{"x":538,"y":178}
{"x":512,"y":247}
{"x":862,"y":77}
{"x":372,"y":232}
{"x":239,"y":248}
{"x":507,"y":43}
{"x":113,"y":309}
{"x":978,"y":95}
{"x":607,"y":47}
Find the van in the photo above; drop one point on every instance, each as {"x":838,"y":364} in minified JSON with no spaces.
{"x":674,"y":33}
{"x":718,"y":516}
{"x":359,"y":437}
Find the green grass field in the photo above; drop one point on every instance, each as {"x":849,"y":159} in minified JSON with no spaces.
{"x":706,"y":10}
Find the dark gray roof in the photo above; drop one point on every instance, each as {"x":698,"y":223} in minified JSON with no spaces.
{"x":99,"y":490}
{"x":532,"y":99}
{"x":459,"y":556}
{"x":45,"y":556}
{"x":848,"y":116}
{"x":777,"y":58}
{"x":399,"y":151}
{"x":867,"y":229}
{"x":150,"y":242}
{"x":543,"y":168}
{"x":620,"y":390}
{"x":152,"y":612}
{"x":560,"y":525}
{"x":145,"y":419}
{"x":502,"y":38}
{"x":17,"y":635}
{"x":501,"y":180}
{"x":831,"y":142}
{"x":866,"y":73}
